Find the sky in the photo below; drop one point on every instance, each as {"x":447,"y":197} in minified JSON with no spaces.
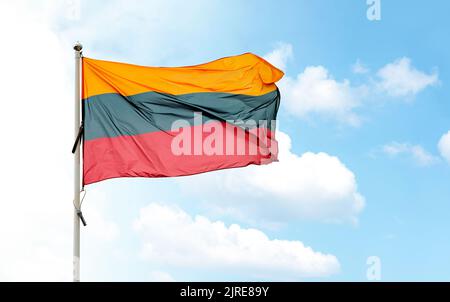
{"x":362,"y":188}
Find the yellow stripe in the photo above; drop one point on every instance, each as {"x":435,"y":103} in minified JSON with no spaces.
{"x":244,"y":74}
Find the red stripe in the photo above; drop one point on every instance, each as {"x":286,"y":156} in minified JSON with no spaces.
{"x":150,"y":154}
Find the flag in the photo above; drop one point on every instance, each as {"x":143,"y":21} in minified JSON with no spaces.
{"x":144,"y":121}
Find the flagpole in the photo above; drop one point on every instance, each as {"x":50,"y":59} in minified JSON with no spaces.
{"x":76,"y":175}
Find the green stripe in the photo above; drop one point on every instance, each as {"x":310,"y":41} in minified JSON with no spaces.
{"x":112,"y":115}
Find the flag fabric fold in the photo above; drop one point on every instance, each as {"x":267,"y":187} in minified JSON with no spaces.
{"x":172,"y":121}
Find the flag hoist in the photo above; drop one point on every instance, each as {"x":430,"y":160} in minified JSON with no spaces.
{"x":76,"y":174}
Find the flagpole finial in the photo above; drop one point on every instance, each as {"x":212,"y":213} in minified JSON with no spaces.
{"x":78,"y":46}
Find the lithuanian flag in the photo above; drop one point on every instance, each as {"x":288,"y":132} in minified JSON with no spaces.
{"x":173,"y":121}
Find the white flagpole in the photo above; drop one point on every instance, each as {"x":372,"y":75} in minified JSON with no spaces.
{"x":76,"y":175}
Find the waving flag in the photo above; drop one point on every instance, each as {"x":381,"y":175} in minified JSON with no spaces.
{"x":159,"y":122}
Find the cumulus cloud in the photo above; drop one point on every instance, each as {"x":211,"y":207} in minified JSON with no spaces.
{"x":36,"y":224}
{"x":280,"y":55}
{"x":315,"y":91}
{"x":142,"y":31}
{"x":416,"y":152}
{"x":400,"y":78}
{"x":359,"y":68}
{"x":35,"y":183}
{"x":160,"y":276}
{"x":313,"y":186}
{"x":196,"y":242}
{"x":95,"y":207}
{"x":444,"y":146}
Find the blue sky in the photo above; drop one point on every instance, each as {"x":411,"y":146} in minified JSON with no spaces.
{"x":367,"y":173}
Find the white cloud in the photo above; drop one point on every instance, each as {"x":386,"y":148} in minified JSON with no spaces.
{"x":359,"y":68}
{"x":280,"y":55}
{"x":141,"y":32}
{"x":315,"y":91}
{"x":313,"y":186}
{"x":444,"y":146}
{"x":159,"y":276}
{"x":35,"y":183}
{"x":95,"y":207}
{"x":36,"y":225}
{"x":196,"y":242}
{"x":416,"y":152}
{"x":401,"y":79}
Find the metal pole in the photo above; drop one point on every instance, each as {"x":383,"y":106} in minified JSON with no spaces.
{"x":76,"y":175}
